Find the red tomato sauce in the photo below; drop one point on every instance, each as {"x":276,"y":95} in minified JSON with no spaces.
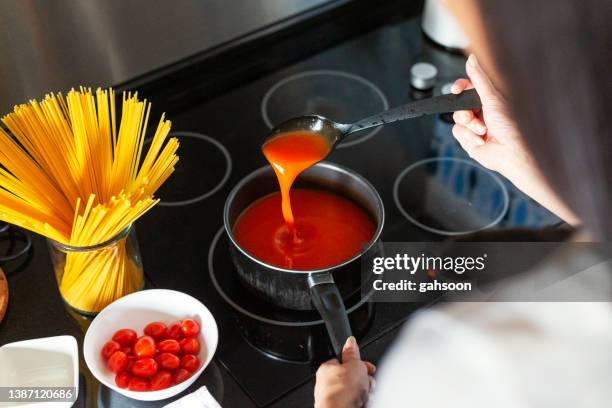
{"x":289,"y":155}
{"x":329,"y":229}
{"x":302,"y":229}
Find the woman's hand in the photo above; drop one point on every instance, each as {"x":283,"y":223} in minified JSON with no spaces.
{"x":491,"y":137}
{"x":346,"y":384}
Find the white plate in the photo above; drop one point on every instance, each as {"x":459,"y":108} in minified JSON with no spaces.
{"x":135,"y":311}
{"x":44,"y":362}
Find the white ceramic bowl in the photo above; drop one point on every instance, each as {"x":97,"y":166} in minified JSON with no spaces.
{"x":135,"y":311}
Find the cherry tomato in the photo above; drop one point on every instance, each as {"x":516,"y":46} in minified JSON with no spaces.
{"x":190,"y":327}
{"x":169,"y":346}
{"x":144,"y":367}
{"x":189,"y":345}
{"x":138,"y":384}
{"x":190,"y":362}
{"x":167,"y":360}
{"x":131,"y":360}
{"x":127,"y":350}
{"x":123,"y":379}
{"x":125,"y":337}
{"x":157,"y":330}
{"x":109,"y":348}
{"x":181,"y":375}
{"x":175,"y":331}
{"x":161,"y":380}
{"x":117,"y":361}
{"x":145,"y":347}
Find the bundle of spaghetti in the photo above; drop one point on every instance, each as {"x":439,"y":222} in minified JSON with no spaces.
{"x":69,"y":172}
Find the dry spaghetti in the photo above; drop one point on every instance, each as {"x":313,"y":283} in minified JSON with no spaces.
{"x":70,"y":172}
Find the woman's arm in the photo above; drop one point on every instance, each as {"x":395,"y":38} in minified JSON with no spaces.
{"x":492,"y":138}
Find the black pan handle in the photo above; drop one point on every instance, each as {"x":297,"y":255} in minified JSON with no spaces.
{"x":326,"y":298}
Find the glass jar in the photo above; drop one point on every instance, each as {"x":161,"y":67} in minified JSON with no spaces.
{"x":89,"y":278}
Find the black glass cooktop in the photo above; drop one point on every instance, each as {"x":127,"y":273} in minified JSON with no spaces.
{"x":181,"y":242}
{"x":425,"y":199}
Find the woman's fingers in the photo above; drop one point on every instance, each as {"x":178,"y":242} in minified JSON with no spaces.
{"x":332,"y":362}
{"x":465,"y":134}
{"x":468,"y":140}
{"x":471,"y":121}
{"x":467,"y":118}
{"x":477,"y":126}
{"x":480,"y":79}
{"x":371,"y":367}
{"x":460,"y":85}
{"x":463,"y":117}
{"x":350,"y":351}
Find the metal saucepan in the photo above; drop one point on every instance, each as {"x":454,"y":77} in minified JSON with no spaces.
{"x":323,"y":289}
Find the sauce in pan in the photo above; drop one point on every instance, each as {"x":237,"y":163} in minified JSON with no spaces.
{"x":302,"y":229}
{"x":329,"y":229}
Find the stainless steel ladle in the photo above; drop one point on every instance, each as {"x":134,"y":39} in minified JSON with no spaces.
{"x":337,"y":132}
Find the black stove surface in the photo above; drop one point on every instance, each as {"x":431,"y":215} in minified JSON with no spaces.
{"x":220,"y":144}
{"x":176,"y":239}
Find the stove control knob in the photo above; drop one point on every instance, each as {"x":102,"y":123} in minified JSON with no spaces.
{"x":423,"y":75}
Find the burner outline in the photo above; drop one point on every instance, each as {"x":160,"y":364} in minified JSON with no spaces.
{"x":237,"y":307}
{"x":228,"y":170}
{"x":360,"y":79}
{"x":399,"y":206}
{"x":13,"y":234}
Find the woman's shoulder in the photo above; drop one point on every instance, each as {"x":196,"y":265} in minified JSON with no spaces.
{"x":544,"y":341}
{"x":500,"y":354}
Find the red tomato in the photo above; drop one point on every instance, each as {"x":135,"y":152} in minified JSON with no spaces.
{"x":138,"y":384}
{"x":109,"y":348}
{"x":175,"y":331}
{"x":161,"y":380}
{"x":181,"y":375}
{"x":127,"y":350}
{"x":144,"y":367}
{"x":125,"y":337}
{"x":117,"y":361}
{"x":167,"y":360}
{"x":169,"y":346}
{"x":190,"y":327}
{"x":131,"y":360}
{"x":190,"y":362}
{"x":123,"y":379}
{"x":157,"y":330}
{"x":145,"y":347}
{"x":189,"y":345}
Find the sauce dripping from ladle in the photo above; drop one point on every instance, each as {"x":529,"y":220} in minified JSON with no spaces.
{"x":290,"y":154}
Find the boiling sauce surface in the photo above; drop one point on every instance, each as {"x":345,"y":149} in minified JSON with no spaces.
{"x":329,"y":229}
{"x":302,"y":229}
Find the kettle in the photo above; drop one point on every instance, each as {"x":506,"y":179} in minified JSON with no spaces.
{"x":441,"y":26}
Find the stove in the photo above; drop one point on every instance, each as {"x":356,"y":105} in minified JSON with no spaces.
{"x":184,"y":245}
{"x":430,"y":188}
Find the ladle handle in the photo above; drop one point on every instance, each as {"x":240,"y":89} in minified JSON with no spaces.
{"x":326,"y":298}
{"x":466,"y":100}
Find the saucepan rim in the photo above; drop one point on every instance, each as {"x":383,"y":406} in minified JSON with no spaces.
{"x":327,"y":165}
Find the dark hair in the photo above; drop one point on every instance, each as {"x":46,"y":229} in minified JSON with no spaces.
{"x":555,"y":60}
